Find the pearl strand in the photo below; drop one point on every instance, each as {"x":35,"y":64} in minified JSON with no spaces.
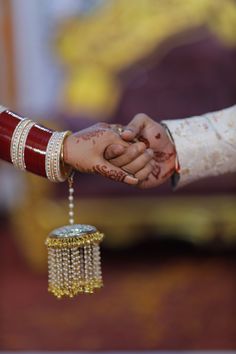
{"x":71,"y":200}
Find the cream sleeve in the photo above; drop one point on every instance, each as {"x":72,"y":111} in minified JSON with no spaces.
{"x":205,"y":145}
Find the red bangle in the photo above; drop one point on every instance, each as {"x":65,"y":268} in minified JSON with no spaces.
{"x":36,"y":142}
{"x":8,"y":123}
{"x":35,"y":149}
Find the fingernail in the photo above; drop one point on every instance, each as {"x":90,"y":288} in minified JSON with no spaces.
{"x":119,"y":149}
{"x":127,"y":130}
{"x":131,"y":180}
{"x":150,"y":152}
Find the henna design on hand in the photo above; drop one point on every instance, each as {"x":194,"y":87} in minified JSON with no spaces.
{"x":161,"y":156}
{"x":104,"y":125}
{"x":168,"y":173}
{"x":156,"y":171}
{"x":103,"y":170}
{"x":144,"y":140}
{"x":89,"y":135}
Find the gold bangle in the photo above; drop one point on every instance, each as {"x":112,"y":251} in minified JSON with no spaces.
{"x":65,"y":168}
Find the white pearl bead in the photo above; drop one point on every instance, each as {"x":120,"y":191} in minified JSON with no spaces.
{"x":71,"y":213}
{"x":71,"y":221}
{"x":71,"y":205}
{"x":70,"y":198}
{"x":71,"y":190}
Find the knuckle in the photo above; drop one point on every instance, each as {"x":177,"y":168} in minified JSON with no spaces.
{"x":103,"y":125}
{"x":128,"y":155}
{"x":140,"y":117}
{"x":143,"y":174}
{"x":110,"y":154}
{"x":109,"y":150}
{"x":130,"y":152}
{"x":117,"y":161}
{"x":148,"y":155}
{"x":139,"y":148}
{"x":112,"y":147}
{"x":134,"y":150}
{"x":127,"y":170}
{"x":112,"y":136}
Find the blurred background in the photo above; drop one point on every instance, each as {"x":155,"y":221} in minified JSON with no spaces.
{"x":168,"y":257}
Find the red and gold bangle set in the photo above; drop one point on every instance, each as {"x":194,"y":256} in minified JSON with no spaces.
{"x":74,"y":264}
{"x":29,"y":146}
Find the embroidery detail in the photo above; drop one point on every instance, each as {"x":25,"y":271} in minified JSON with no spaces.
{"x":206,"y":145}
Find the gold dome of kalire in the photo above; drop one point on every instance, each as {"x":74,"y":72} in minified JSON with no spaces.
{"x":74,"y":235}
{"x":74,"y":263}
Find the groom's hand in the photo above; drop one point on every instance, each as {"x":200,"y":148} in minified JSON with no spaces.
{"x":155,"y":137}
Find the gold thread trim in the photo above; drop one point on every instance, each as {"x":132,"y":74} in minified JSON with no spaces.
{"x":70,"y":242}
{"x":80,"y":287}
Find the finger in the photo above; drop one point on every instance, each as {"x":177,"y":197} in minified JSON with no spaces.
{"x":113,"y":151}
{"x":134,"y":128}
{"x":112,"y":172}
{"x":131,"y":153}
{"x":144,"y":172}
{"x":139,"y":163}
{"x":149,"y":182}
{"x":144,"y":184}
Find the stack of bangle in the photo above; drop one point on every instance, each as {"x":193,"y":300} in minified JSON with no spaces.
{"x":32,"y":147}
{"x":18,"y":141}
{"x":54,"y":158}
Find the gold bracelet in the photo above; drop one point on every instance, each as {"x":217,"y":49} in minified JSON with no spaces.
{"x":65,"y":168}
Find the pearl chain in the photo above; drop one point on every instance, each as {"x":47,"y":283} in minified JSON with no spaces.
{"x":71,"y":200}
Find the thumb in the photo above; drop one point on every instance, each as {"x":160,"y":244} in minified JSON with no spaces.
{"x":106,"y":169}
{"x":135,"y":127}
{"x":113,"y":151}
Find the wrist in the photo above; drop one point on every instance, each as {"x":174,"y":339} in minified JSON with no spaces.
{"x":65,"y":166}
{"x":66,"y":152}
{"x":175,"y":160}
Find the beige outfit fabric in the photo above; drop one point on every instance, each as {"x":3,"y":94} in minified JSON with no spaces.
{"x":205,"y":145}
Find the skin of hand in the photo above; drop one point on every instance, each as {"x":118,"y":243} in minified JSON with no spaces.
{"x":155,"y":137}
{"x":84,"y":151}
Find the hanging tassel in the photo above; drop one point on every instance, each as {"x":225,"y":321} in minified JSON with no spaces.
{"x":74,"y":263}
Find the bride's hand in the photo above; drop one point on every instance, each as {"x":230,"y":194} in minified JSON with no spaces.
{"x":85,"y":151}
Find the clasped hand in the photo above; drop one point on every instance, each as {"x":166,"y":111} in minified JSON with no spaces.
{"x":142,"y":154}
